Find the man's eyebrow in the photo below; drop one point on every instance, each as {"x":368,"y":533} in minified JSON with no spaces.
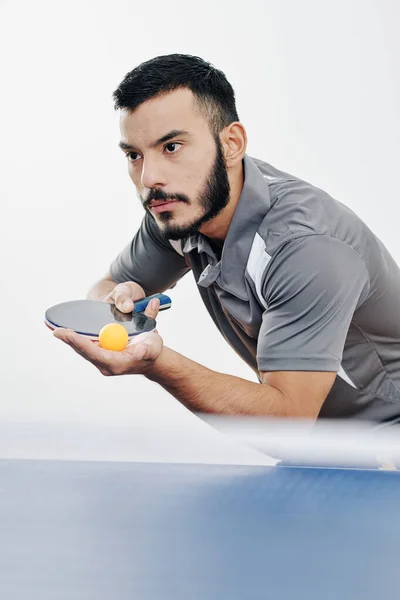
{"x":165,"y":138}
{"x":124,"y":146}
{"x":169,"y":136}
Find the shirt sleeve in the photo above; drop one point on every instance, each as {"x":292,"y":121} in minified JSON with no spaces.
{"x":312,"y":289}
{"x":149,"y":260}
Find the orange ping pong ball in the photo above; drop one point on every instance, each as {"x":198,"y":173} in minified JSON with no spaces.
{"x":113,"y":337}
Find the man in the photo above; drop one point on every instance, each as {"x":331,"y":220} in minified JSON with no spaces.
{"x":296,"y":283}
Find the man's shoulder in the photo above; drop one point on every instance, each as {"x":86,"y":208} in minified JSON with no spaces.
{"x":299,"y":208}
{"x":270,"y":172}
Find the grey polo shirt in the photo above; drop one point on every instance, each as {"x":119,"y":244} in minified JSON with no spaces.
{"x":302,"y":285}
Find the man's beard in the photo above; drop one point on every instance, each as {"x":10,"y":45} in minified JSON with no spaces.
{"x":213,"y":198}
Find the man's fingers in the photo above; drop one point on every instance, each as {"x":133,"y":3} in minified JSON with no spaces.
{"x":152,"y":308}
{"x":120,"y":301}
{"x":146,"y":346}
{"x":109,"y":299}
{"x":63,"y":334}
{"x":85,"y":347}
{"x":143,"y":348}
{"x":124,"y":295}
{"x":125,"y":306}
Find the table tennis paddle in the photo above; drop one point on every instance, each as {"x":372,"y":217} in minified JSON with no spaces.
{"x":88,"y":317}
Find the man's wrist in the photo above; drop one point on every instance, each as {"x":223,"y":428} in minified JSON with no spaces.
{"x":153,"y":369}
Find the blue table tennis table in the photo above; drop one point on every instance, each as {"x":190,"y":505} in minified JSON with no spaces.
{"x":119,"y":531}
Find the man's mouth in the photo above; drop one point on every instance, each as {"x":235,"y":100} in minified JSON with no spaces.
{"x":154,"y":203}
{"x":159,"y":206}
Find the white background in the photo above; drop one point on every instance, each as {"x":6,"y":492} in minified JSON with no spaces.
{"x":318,"y":89}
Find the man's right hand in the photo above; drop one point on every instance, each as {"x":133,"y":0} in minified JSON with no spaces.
{"x":124,"y":295}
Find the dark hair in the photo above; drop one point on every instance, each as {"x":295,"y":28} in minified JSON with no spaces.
{"x":162,"y":74}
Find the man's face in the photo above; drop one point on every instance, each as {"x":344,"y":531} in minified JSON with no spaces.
{"x":174,"y":161}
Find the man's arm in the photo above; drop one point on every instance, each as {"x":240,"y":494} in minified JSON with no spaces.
{"x":286,"y":394}
{"x":312,"y":292}
{"x":299,"y":346}
{"x":191,"y":382}
{"x":281,"y":394}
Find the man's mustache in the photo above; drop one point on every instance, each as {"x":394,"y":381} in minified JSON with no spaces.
{"x":161,"y":195}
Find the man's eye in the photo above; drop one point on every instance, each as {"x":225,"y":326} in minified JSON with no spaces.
{"x":172,"y":147}
{"x":132,"y":156}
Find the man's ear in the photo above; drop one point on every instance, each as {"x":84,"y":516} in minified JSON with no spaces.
{"x":234,"y":143}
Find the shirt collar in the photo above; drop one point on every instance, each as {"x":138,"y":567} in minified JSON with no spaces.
{"x":253,"y":205}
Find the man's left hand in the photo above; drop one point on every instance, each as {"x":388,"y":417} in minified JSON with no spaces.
{"x":135,"y":359}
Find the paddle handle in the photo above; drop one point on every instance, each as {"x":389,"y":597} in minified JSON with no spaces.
{"x":140,"y":305}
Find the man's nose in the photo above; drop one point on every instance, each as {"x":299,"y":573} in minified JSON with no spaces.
{"x":152,"y":175}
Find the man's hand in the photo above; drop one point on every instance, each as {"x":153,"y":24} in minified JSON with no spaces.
{"x":124,"y":295}
{"x":135,"y":359}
